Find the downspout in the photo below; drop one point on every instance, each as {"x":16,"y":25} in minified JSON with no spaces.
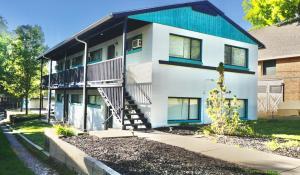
{"x":64,"y":102}
{"x":84,"y":82}
{"x":41,"y":89}
{"x":49,"y":89}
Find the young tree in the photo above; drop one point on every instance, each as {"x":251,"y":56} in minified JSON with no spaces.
{"x":224,"y":116}
{"x":261,"y":13}
{"x":22,"y":68}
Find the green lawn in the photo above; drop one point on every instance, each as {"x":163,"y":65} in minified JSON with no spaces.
{"x":33,"y":130}
{"x":277,"y":128}
{"x":9,"y":162}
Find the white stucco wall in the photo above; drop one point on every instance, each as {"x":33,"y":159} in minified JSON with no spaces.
{"x":178,"y":81}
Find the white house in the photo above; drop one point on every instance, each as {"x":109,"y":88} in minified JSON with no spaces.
{"x":171,"y":57}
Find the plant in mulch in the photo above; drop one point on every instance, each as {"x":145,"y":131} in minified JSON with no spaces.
{"x":224,"y":115}
{"x":64,"y":130}
{"x":275,"y":144}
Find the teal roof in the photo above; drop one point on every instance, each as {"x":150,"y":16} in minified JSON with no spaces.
{"x":190,"y":19}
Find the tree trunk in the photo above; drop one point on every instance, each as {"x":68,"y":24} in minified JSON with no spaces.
{"x":26,"y":105}
{"x":21,"y":107}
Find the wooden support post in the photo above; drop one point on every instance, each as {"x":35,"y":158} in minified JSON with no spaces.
{"x":124,"y":70}
{"x":64,"y":97}
{"x":49,"y":92}
{"x":41,"y":88}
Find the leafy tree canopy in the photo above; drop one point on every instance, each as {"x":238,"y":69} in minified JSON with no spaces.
{"x":261,"y":13}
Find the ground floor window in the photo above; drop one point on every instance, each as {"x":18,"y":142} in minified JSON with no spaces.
{"x":183,"y":109}
{"x":243,"y":110}
{"x":59,"y":98}
{"x":94,"y":100}
{"x":76,"y":98}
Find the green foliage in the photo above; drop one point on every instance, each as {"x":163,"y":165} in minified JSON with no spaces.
{"x":184,"y":124}
{"x":64,"y":130}
{"x":273,"y":145}
{"x":225,"y":117}
{"x":261,"y":13}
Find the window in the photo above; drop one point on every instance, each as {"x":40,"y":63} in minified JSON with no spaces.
{"x":59,"y":98}
{"x":236,"y":56}
{"x":77,"y":61}
{"x":94,"y":100}
{"x":243,"y":107}
{"x":67,"y":64}
{"x":95,"y":56}
{"x":183,"y":47}
{"x":135,"y":43}
{"x":111,"y":52}
{"x":183,"y":109}
{"x":59,"y":66}
{"x":269,"y":67}
{"x":76,"y":98}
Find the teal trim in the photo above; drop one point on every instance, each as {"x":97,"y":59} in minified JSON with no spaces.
{"x":183,"y":121}
{"x":95,"y":61}
{"x":76,"y":66}
{"x":185,"y":60}
{"x":93,"y":106}
{"x":235,"y":67}
{"x":134,"y":51}
{"x":187,"y":18}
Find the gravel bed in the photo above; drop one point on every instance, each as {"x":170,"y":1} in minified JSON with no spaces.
{"x":141,"y":156}
{"x":259,"y":144}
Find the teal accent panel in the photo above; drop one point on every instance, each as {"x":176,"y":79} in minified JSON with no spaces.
{"x":134,"y":51}
{"x":183,"y":121}
{"x":95,"y":61}
{"x":235,"y":67}
{"x":183,"y":60}
{"x":187,"y":18}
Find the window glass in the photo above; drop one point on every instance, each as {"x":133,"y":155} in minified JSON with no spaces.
{"x":58,"y":97}
{"x":269,"y":67}
{"x":76,"y":98}
{"x":77,"y":61}
{"x":183,"y":47}
{"x":94,"y":100}
{"x":98,"y":100}
{"x":242,"y":107}
{"x":183,"y":109}
{"x":95,"y":56}
{"x":235,"y":56}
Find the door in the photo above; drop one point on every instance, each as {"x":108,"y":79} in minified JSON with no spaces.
{"x":111,"y":50}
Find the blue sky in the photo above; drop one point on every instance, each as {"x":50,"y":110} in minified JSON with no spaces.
{"x":60,"y":19}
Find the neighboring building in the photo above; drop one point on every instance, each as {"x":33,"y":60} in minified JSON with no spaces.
{"x":279,"y":67}
{"x":172,"y":55}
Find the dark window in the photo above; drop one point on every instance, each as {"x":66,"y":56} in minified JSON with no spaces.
{"x":67,"y":64}
{"x":243,"y":110}
{"x":59,"y":66}
{"x":183,"y":108}
{"x":111,"y":52}
{"x":76,"y":98}
{"x":184,"y":47}
{"x":236,"y":56}
{"x":95,"y":56}
{"x":269,"y":67}
{"x":58,"y":97}
{"x":94,"y":100}
{"x":77,"y":61}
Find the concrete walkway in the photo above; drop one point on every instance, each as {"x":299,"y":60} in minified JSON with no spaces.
{"x":242,"y":156}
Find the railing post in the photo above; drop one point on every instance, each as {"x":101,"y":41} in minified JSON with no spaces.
{"x":41,"y":88}
{"x":124,"y":69}
{"x":49,"y":92}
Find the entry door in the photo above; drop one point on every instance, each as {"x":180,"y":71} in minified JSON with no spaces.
{"x":111,"y":50}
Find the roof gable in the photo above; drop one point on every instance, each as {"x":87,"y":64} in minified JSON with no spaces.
{"x":199,"y":19}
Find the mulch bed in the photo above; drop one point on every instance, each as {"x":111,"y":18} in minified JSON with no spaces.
{"x":259,"y":144}
{"x":181,"y":130}
{"x":141,"y":156}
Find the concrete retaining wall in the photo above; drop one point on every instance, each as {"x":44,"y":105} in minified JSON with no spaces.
{"x":74,"y":158}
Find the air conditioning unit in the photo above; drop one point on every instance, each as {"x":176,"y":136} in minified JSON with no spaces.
{"x":137,"y":43}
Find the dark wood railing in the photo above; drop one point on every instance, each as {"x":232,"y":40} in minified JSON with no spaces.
{"x":74,"y":76}
{"x":104,"y":71}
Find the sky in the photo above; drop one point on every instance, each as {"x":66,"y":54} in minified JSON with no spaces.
{"x":61,"y":19}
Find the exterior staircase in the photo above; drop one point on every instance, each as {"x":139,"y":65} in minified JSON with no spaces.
{"x":134,"y":118}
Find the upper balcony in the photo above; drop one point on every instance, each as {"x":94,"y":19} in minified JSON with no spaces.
{"x":98,"y":75}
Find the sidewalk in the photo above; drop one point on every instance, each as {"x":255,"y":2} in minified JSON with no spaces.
{"x":242,"y":156}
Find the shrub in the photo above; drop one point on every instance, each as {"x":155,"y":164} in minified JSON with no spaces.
{"x":64,"y":130}
{"x":273,"y":145}
{"x":225,"y":117}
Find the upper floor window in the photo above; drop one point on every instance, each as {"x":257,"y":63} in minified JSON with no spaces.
{"x":95,"y":56}
{"x":134,"y":44}
{"x":236,"y":56}
{"x":111,"y":52}
{"x":77,"y":61}
{"x":59,"y":66}
{"x":269,"y":67}
{"x":184,"y":47}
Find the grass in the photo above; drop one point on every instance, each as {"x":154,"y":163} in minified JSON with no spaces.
{"x":33,"y":130}
{"x":10,"y":164}
{"x":277,"y":128}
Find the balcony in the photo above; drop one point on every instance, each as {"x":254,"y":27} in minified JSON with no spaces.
{"x":104,"y":73}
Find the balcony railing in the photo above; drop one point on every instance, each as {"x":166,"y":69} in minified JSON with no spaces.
{"x":102,"y":72}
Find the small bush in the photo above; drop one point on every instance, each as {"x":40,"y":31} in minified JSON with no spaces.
{"x":290,"y":144}
{"x":273,"y":145}
{"x":206,"y":130}
{"x":64,"y":130}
